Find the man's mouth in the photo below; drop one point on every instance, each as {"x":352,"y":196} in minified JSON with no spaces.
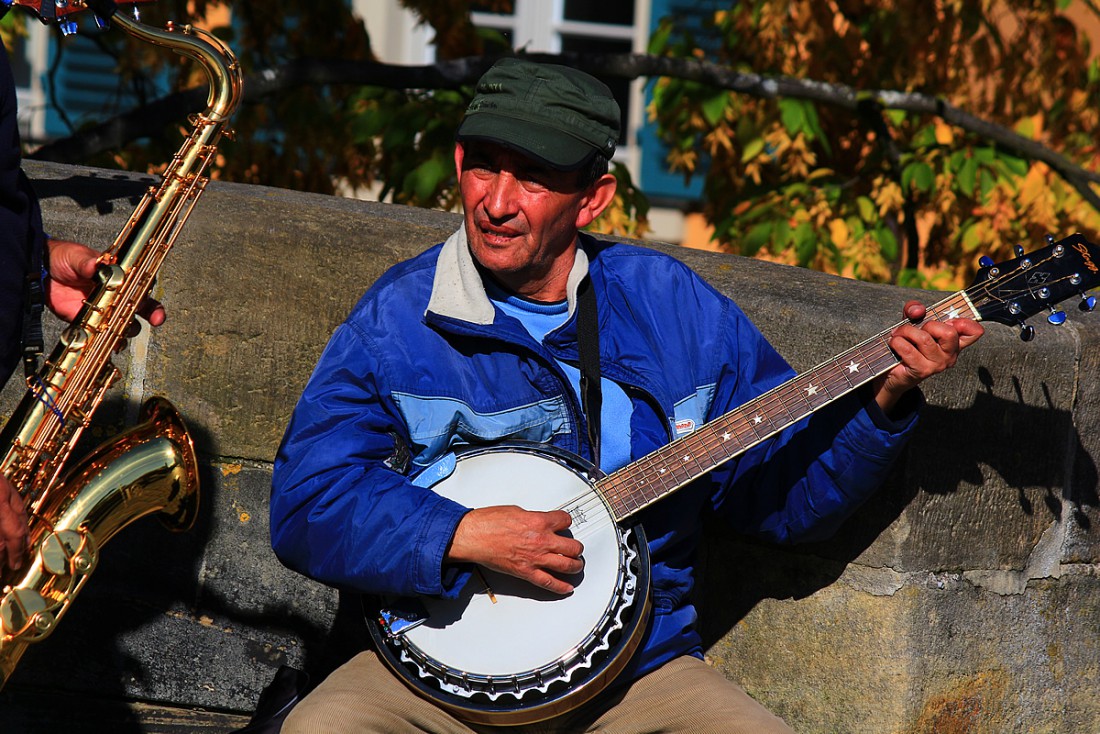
{"x":498,"y":235}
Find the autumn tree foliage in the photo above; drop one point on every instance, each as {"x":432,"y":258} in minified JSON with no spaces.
{"x":888,"y":140}
{"x":879,"y":193}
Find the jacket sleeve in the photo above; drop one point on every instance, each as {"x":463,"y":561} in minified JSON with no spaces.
{"x":21,"y":238}
{"x":339,"y":513}
{"x":804,"y":482}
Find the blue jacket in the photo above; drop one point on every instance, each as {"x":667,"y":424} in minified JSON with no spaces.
{"x":426,"y":363}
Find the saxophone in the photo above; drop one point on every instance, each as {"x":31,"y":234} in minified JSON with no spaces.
{"x":150,"y":468}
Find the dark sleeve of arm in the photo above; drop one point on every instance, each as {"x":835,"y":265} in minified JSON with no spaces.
{"x":21,"y":238}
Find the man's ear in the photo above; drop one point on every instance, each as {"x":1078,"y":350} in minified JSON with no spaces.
{"x":599,"y":197}
{"x":459,"y":152}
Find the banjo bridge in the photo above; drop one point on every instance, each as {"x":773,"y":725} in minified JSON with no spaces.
{"x":577,"y":514}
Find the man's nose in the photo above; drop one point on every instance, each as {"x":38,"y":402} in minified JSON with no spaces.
{"x":500,"y":200}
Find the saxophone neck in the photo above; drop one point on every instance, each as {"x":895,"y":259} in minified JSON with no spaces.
{"x":219,"y":62}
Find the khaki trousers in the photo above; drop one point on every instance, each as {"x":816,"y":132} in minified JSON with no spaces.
{"x":685,"y":695}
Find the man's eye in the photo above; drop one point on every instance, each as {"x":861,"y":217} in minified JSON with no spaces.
{"x":534,"y":179}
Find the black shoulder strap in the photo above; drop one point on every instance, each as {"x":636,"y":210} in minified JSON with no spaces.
{"x":34,"y":298}
{"x":588,"y":345}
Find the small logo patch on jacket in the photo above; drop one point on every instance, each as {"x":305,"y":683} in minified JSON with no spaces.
{"x":684,"y":425}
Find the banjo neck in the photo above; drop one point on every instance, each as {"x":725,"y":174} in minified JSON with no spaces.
{"x":641,"y":483}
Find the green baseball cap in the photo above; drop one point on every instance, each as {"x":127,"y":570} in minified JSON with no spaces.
{"x":555,"y":114}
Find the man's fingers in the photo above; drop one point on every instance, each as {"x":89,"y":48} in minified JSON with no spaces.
{"x":563,"y":564}
{"x":546,"y":581}
{"x":152,"y":311}
{"x":13,"y":525}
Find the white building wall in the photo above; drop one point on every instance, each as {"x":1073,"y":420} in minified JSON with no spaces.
{"x":395,"y":36}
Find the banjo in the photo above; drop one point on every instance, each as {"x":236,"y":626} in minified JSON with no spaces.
{"x":505,"y":652}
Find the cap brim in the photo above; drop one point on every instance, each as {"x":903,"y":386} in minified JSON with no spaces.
{"x":545,"y":144}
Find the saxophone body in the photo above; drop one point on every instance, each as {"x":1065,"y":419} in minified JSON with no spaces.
{"x":151,"y":468}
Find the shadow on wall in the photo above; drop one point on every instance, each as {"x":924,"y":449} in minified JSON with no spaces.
{"x":98,"y":192}
{"x":1007,"y":436}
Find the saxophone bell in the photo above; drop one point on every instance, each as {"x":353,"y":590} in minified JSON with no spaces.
{"x":151,"y":468}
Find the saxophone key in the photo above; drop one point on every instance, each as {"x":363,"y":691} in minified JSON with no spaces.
{"x":68,"y":553}
{"x":74,"y":337}
{"x":25,"y":613}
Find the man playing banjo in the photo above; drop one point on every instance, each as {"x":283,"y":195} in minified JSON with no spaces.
{"x":476,"y":343}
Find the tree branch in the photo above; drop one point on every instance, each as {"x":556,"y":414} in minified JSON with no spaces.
{"x":455,"y":74}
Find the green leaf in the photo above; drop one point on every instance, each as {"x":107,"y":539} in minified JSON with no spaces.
{"x":867,"y":210}
{"x":887,"y":243}
{"x":855,"y":227}
{"x":1026,"y":127}
{"x":968,"y":175}
{"x":813,"y":127}
{"x":984,"y":155}
{"x":781,"y":237}
{"x":757,"y":237}
{"x":986,"y":182}
{"x":925,"y":137}
{"x":715,"y":107}
{"x":918,"y":175}
{"x":910,"y":278}
{"x":805,"y":243}
{"x":970,"y":240}
{"x":1015,"y":166}
{"x":896,"y":117}
{"x":798,"y":188}
{"x":753,"y":149}
{"x":793,"y":115}
{"x":658,"y":42}
{"x":427,"y":177}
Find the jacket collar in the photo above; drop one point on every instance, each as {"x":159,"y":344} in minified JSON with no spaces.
{"x":459,"y":293}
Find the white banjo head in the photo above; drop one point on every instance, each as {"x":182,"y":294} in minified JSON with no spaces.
{"x":503,"y":625}
{"x":505,"y":651}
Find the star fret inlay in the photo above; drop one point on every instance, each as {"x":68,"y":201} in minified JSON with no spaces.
{"x":811,"y":390}
{"x":853,"y":367}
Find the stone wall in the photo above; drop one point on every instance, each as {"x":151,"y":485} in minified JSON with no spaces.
{"x":963,"y":598}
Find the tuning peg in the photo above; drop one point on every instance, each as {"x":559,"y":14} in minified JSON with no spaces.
{"x":1049,"y":238}
{"x":1088,"y":303}
{"x":1027,"y":332}
{"x":1019,"y":250}
{"x":1057,"y":317}
{"x":985,"y":261}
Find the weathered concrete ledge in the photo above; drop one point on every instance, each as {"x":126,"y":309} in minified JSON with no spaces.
{"x":964,"y":598}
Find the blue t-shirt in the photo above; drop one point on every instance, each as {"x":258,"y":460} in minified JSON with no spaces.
{"x":540,"y":319}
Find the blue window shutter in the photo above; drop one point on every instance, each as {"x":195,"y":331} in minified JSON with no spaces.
{"x":88,"y":88}
{"x":656,"y":180}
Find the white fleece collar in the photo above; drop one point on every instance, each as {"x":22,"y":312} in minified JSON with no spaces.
{"x":458,"y":292}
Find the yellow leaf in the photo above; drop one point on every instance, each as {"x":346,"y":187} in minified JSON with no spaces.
{"x":838,"y":232}
{"x":945,"y":135}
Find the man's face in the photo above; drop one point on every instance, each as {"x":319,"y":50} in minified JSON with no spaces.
{"x":522,"y":217}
